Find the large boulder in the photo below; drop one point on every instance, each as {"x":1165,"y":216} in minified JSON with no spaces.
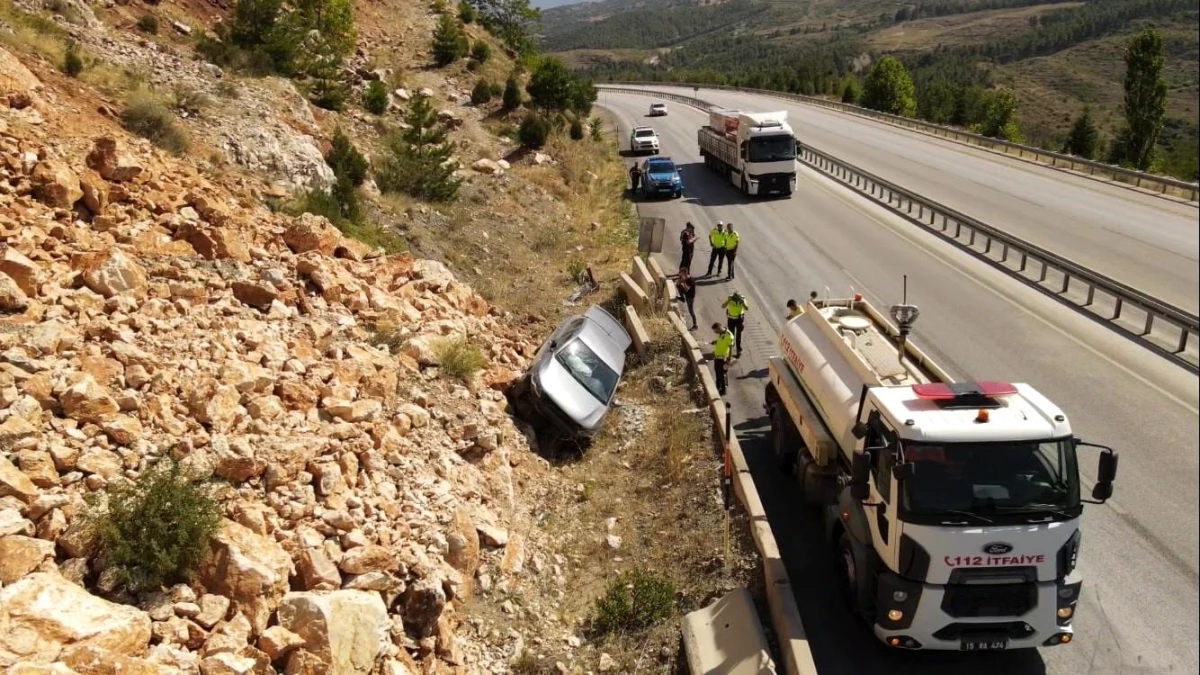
{"x":346,"y":630}
{"x":113,"y":161}
{"x":246,"y":567}
{"x":44,"y":613}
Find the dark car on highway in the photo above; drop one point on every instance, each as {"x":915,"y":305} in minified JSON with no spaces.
{"x":660,"y":176}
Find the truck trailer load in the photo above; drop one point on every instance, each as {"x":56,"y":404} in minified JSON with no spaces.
{"x":756,"y":152}
{"x":954,"y":507}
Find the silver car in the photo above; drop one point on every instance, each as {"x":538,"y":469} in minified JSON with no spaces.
{"x":575,"y":374}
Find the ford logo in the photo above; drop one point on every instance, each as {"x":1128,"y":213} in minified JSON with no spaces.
{"x":997,"y":548}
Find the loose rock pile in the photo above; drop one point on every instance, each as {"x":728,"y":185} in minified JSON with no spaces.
{"x":146,"y":312}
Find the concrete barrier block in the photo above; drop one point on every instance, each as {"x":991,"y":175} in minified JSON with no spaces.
{"x":785,"y":616}
{"x":633,"y":324}
{"x":670,"y":297}
{"x":679,"y":325}
{"x":726,"y":638}
{"x":634,"y":295}
{"x":657,"y":274}
{"x":641,"y":275}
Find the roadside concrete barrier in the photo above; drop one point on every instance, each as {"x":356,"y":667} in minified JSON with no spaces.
{"x":726,"y":638}
{"x":633,"y":292}
{"x":785,"y":616}
{"x":637,"y":331}
{"x":645,"y":280}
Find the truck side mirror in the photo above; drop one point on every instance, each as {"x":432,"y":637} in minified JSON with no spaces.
{"x":859,"y":430}
{"x":860,"y":471}
{"x":1106,"y":472}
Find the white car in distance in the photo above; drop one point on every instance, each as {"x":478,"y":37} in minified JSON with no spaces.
{"x":643,"y":139}
{"x":658,"y":109}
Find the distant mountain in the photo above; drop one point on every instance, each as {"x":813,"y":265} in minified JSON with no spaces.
{"x":550,"y":4}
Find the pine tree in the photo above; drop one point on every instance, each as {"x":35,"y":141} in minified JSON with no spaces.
{"x":512,"y":93}
{"x":418,"y":161}
{"x":851,"y":90}
{"x":349,"y":170}
{"x":449,"y":43}
{"x":1000,"y":116}
{"x":889,"y":89}
{"x":1084,"y":139}
{"x":1145,"y":99}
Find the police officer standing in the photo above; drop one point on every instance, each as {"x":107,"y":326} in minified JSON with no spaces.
{"x":716,"y":239}
{"x":687,"y":246}
{"x":635,"y":177}
{"x":731,"y":246}
{"x":735,"y":315}
{"x":722,"y":346}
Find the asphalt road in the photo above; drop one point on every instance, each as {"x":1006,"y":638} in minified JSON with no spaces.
{"x":1145,"y":241}
{"x":1139,"y":612}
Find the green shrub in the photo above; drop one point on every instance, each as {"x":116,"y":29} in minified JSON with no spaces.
{"x":155,"y":530}
{"x":512,"y":93}
{"x":418,"y":161}
{"x":458,"y":358}
{"x":449,"y":42}
{"x":72,"y":60}
{"x":534,"y":130}
{"x":466,"y":12}
{"x":148,"y":24}
{"x":481,"y":51}
{"x":375,"y":98}
{"x":151,"y":120}
{"x":636,"y":600}
{"x":597,"y":129}
{"x":576,"y":129}
{"x":188,"y":100}
{"x":482,"y":93}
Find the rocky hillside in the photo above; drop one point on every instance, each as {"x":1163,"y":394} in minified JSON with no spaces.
{"x":153,"y":307}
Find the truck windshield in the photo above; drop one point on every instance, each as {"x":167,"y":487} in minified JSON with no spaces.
{"x":772,"y":148}
{"x":998,"y":481}
{"x":588,"y":370}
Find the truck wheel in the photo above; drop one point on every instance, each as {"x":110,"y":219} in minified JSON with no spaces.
{"x":785,"y":454}
{"x":855,"y":578}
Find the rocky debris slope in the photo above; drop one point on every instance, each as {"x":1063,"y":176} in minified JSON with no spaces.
{"x":147,"y":312}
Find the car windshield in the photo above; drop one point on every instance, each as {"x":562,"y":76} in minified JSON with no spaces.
{"x":661,"y":167}
{"x":643,"y":133}
{"x":772,"y":148}
{"x":588,"y":369}
{"x":658,"y":106}
{"x":1028,"y":477}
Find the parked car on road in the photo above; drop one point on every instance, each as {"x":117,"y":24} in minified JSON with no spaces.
{"x":574,"y":376}
{"x":643,"y":139}
{"x":658,"y":109}
{"x":661,"y":176}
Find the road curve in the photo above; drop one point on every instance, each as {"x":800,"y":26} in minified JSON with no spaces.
{"x":1139,"y":612}
{"x":1147,"y":242}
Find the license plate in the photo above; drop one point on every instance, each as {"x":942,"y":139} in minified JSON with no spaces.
{"x":984,"y":645}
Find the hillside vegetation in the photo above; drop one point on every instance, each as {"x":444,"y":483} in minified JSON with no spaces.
{"x":1056,"y":58}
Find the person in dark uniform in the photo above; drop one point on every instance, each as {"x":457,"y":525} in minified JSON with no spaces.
{"x":687,"y":244}
{"x":686,"y":285}
{"x":635,"y":177}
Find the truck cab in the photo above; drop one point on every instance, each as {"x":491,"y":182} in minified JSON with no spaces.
{"x":954,"y":507}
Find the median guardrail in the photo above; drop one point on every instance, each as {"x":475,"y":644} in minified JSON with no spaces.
{"x":1147,"y":181}
{"x":1160,"y":327}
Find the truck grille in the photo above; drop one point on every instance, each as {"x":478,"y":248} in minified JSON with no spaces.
{"x":979,"y":600}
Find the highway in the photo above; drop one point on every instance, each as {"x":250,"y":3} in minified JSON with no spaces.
{"x":1139,"y":612}
{"x":1147,"y":242}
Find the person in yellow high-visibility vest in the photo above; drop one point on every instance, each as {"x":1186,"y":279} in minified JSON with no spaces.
{"x":716,"y":239}
{"x":731,"y":248}
{"x":735,"y":317}
{"x":722,"y":347}
{"x":794,"y":309}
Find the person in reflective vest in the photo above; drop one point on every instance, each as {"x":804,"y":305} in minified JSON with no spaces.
{"x":731,"y":247}
{"x":735,"y":317}
{"x":716,"y":239}
{"x":722,"y":346}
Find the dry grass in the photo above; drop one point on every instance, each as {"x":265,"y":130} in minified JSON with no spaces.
{"x":960,"y":29}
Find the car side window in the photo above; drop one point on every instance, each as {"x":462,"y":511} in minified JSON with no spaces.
{"x":882,"y":444}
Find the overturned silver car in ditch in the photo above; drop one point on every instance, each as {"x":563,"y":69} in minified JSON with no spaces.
{"x":574,"y":375}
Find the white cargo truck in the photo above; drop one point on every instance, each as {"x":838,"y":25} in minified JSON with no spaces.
{"x":953,"y":507}
{"x":756,"y":152}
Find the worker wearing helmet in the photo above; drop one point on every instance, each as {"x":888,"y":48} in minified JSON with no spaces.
{"x":716,"y":239}
{"x":735,"y":317}
{"x":722,"y":346}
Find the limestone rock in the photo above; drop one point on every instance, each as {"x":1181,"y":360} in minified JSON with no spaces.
{"x":12,"y":298}
{"x":56,"y":184}
{"x":317,"y":571}
{"x":312,"y":233}
{"x":43,"y":613}
{"x":346,"y":629}
{"x":369,"y":558}
{"x":113,"y":161}
{"x":25,"y":272}
{"x":21,"y":555}
{"x":422,"y":605}
{"x":112,"y":272}
{"x":14,"y":482}
{"x":277,"y":641}
{"x":245,"y":566}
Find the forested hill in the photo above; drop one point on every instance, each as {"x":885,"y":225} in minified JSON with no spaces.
{"x":1056,"y":56}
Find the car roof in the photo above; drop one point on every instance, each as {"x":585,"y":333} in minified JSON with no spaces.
{"x":654,"y":105}
{"x":637,"y":129}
